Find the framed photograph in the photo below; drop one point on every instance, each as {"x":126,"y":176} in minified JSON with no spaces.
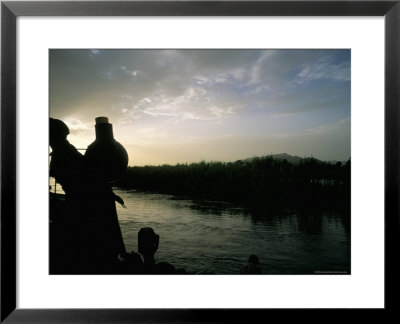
{"x":207,"y":161}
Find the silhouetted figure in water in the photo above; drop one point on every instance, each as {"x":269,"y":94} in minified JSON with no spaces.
{"x":144,"y":262}
{"x":148,"y":242}
{"x":252,"y":266}
{"x":87,"y":237}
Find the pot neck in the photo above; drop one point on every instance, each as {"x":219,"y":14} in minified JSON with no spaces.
{"x":104,"y":132}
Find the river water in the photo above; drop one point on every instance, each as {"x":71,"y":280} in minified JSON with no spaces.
{"x":215,"y":237}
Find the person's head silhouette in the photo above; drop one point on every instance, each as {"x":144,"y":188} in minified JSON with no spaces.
{"x":147,"y":241}
{"x":253,"y":259}
{"x":58,"y":132}
{"x":148,"y":244}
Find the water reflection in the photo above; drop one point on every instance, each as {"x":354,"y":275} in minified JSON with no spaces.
{"x":310,"y":223}
{"x":215,"y":237}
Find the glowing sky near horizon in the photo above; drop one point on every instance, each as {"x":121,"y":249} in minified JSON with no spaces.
{"x":177,"y":106}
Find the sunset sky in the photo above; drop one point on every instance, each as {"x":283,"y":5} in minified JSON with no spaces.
{"x":177,"y":106}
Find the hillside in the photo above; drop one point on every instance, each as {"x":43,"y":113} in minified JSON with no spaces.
{"x":294,"y":159}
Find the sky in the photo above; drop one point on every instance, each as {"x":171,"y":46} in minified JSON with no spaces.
{"x":183,"y":106}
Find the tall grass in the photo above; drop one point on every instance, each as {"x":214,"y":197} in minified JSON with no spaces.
{"x":263,"y":180}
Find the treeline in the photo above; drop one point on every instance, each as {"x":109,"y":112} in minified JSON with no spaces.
{"x":264,"y":180}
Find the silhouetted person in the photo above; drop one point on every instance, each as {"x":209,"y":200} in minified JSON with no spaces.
{"x":252,"y":266}
{"x":91,"y":233}
{"x":66,"y":162}
{"x":148,"y":242}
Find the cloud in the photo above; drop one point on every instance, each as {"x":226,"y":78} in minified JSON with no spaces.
{"x":184,"y":83}
{"x":324,"y":70}
{"x":193,"y":103}
{"x":337,"y":127}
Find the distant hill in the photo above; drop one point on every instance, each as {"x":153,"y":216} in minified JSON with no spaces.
{"x":292,"y":158}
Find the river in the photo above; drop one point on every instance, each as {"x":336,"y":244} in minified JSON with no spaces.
{"x":216,"y":237}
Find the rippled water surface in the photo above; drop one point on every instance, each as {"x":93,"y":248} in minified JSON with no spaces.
{"x":210,"y":237}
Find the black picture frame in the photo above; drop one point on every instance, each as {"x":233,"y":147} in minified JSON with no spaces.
{"x":10,"y":10}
